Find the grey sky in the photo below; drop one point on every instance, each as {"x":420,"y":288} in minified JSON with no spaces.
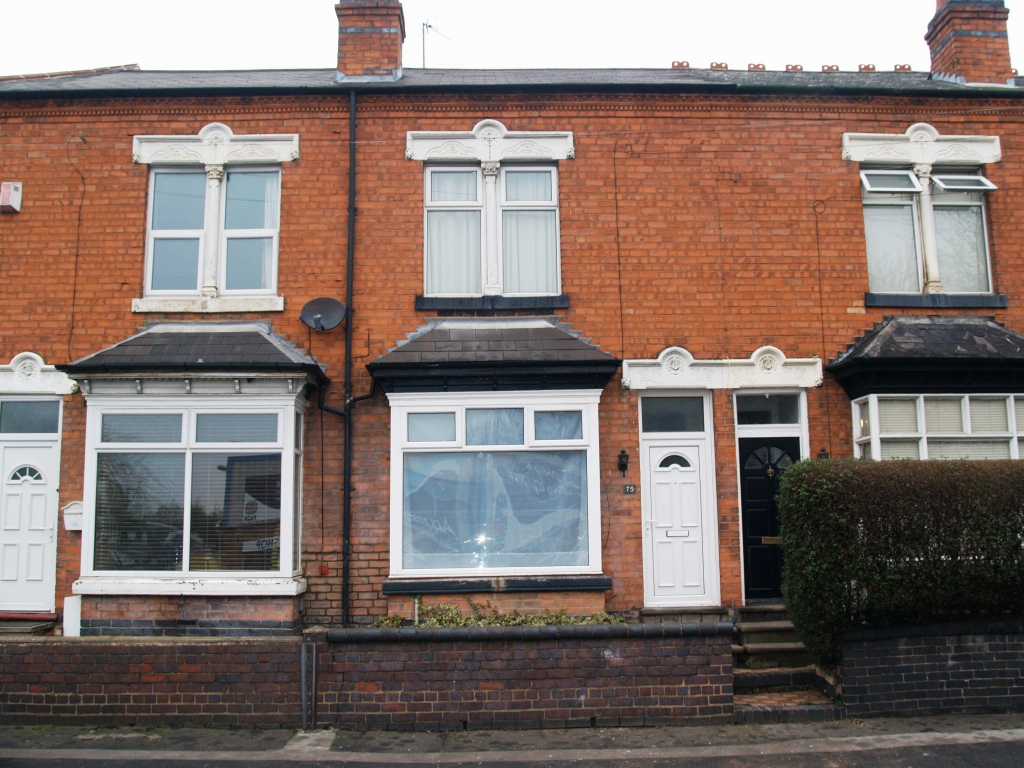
{"x":54,"y":35}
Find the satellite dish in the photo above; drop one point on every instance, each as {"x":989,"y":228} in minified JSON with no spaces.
{"x":323,"y":314}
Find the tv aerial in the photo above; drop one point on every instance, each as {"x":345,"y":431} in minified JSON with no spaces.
{"x":428,"y":27}
{"x":323,"y":314}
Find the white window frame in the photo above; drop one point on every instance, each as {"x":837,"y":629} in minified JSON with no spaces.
{"x":213,"y":149}
{"x":799,"y":429}
{"x":902,"y":199}
{"x":492,"y":204}
{"x":882,"y":172}
{"x":873,"y":440}
{"x":403,"y":404}
{"x":284,"y":581}
{"x":220,"y":254}
{"x":236,"y":234}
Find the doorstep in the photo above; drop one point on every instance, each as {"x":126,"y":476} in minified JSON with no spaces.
{"x":807,"y":706}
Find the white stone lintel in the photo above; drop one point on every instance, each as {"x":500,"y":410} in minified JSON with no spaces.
{"x":489,"y":141}
{"x":27,"y":374}
{"x":216,"y":144}
{"x":920,"y":144}
{"x":190,"y":585}
{"x":208,"y":304}
{"x":767,"y":367}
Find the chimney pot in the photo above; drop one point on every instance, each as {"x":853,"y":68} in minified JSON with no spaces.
{"x":866,"y":68}
{"x":680,"y":65}
{"x":370,"y":36}
{"x":794,"y":68}
{"x":967,"y":38}
{"x":719,"y":65}
{"x":755,"y":67}
{"x":829,"y":67}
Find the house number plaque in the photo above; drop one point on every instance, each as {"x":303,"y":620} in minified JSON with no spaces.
{"x":628,"y":489}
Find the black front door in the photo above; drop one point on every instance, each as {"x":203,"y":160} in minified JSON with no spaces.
{"x":762,"y":462}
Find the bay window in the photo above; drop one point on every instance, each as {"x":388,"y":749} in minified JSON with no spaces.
{"x":938,"y":426}
{"x":495,"y":483}
{"x":183,"y":489}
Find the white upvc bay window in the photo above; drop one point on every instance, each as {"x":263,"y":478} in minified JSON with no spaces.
{"x":495,"y":483}
{"x":938,"y":426}
{"x":491,"y":229}
{"x":192,"y":495}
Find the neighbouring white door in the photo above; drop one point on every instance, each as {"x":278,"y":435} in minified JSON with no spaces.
{"x":28,"y":527}
{"x":676,"y":527}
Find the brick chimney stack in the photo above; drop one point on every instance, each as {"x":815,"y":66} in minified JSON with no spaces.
{"x":967,"y":38}
{"x":370,"y":35}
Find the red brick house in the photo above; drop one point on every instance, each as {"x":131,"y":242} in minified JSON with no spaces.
{"x":592,"y":316}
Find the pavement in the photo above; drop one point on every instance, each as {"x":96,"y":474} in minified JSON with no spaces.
{"x":941,"y":741}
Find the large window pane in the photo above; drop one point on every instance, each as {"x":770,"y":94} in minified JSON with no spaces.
{"x":249,"y":263}
{"x":179,"y":200}
{"x":864,"y":418}
{"x":141,"y":428}
{"x":236,"y":428}
{"x":558,"y":425}
{"x":768,"y":409}
{"x":963,"y":259}
{"x":988,"y":415}
{"x":943,"y":416}
{"x":140,"y":507}
{"x":29,"y":417}
{"x":250,"y":201}
{"x":494,"y":426}
{"x":530,"y":241}
{"x":453,"y":252}
{"x":175,"y":265}
{"x":672,"y":414}
{"x":897,"y":415}
{"x":236,"y":512}
{"x":964,"y":449}
{"x":496,"y":510}
{"x":453,"y":186}
{"x":431,"y":427}
{"x":527,"y":186}
{"x":892,"y":250}
{"x":900,"y":449}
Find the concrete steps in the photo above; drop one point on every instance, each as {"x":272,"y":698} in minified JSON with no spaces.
{"x":767,"y":639}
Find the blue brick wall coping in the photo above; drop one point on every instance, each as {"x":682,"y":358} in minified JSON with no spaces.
{"x":512,"y":634}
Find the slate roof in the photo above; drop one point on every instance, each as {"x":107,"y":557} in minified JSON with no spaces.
{"x":129,"y":82}
{"x":935,"y":337}
{"x":198,"y":348}
{"x":509,"y":353}
{"x":914,"y":354}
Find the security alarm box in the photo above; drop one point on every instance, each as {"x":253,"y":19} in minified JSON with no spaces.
{"x":10,"y":196}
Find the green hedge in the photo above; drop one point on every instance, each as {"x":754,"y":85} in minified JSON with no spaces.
{"x":879,"y":543}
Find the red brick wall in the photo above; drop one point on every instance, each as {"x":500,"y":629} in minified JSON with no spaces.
{"x":717,"y":243}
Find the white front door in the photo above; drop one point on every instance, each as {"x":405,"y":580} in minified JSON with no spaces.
{"x":28,"y":526}
{"x":676,"y":522}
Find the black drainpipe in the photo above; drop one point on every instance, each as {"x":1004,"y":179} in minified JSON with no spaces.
{"x":346,"y":510}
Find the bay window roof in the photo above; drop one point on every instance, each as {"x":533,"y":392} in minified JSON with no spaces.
{"x":480,"y":355}
{"x":920,"y":354}
{"x":199,"y":348}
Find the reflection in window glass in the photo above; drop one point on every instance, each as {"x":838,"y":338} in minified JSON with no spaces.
{"x":179,"y":200}
{"x":250,"y":200}
{"x":431,"y":427}
{"x":249,"y":263}
{"x":558,"y":425}
{"x":900,"y":449}
{"x":527,"y":186}
{"x":892,"y":249}
{"x":672,"y":414}
{"x":495,"y":509}
{"x":236,"y":512}
{"x":768,"y":409}
{"x":141,"y":428}
{"x":140,"y":500}
{"x":494,"y":426}
{"x":943,"y":416}
{"x":453,"y":186}
{"x":29,"y":417}
{"x":897,"y":415}
{"x":963,"y":258}
{"x":236,"y":428}
{"x":175,"y":264}
{"x":988,"y":415}
{"x":530,"y":255}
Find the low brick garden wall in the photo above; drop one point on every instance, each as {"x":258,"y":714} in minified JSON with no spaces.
{"x":528,"y":677}
{"x":964,"y":667}
{"x":405,"y":679}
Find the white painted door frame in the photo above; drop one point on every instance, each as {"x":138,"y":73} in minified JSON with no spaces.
{"x":709,"y":502}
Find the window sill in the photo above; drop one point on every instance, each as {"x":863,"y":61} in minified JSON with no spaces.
{"x":190,"y":585}
{"x":451,"y":586}
{"x":492,"y":302}
{"x":936,"y":300}
{"x":210,"y":305}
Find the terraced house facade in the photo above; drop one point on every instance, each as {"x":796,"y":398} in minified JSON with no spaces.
{"x":590,"y":318}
